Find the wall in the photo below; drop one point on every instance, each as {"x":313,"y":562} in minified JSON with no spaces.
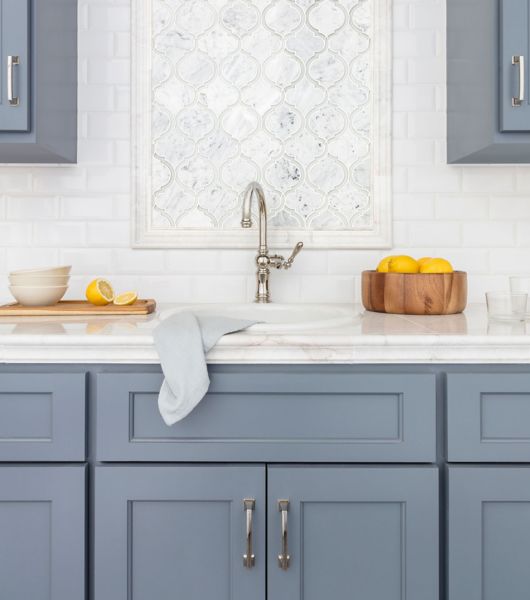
{"x":479,"y":217}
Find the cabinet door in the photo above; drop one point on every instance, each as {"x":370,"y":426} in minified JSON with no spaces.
{"x":514,"y":67}
{"x":169,"y":532}
{"x":42,"y":532}
{"x":14,"y":65}
{"x":354,"y":532}
{"x":489,"y":533}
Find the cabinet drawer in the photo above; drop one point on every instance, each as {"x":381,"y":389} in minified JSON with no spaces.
{"x":42,"y":417}
{"x":488,"y":417}
{"x":272,"y":415}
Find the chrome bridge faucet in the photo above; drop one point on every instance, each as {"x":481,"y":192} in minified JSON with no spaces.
{"x":264,"y":260}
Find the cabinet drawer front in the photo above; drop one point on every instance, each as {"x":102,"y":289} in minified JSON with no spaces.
{"x":488,"y":417}
{"x":42,"y":417}
{"x":267,"y":415}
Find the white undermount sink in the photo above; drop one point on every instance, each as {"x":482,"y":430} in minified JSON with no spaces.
{"x":281,"y":318}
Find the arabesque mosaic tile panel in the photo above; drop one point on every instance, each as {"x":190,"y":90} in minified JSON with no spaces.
{"x":278,"y":91}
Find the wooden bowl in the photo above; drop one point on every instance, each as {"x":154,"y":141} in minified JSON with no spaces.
{"x":415,"y":294}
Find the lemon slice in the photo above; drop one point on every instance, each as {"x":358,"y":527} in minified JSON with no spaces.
{"x":99,"y":292}
{"x":126,"y":299}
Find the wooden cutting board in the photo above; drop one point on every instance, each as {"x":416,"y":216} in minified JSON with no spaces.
{"x":68,"y":308}
{"x":415,"y":294}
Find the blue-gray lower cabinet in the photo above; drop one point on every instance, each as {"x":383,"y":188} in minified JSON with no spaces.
{"x":354,"y":532}
{"x":489,"y":533}
{"x":42,"y":532}
{"x":166,"y":532}
{"x":170,"y":532}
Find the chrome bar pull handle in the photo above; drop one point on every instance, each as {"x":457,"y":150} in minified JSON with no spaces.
{"x":12,"y":62}
{"x":518,"y":100}
{"x":284,"y":559}
{"x":249,"y":560}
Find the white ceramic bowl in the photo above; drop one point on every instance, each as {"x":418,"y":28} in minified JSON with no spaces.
{"x":30,"y":295}
{"x":45,"y":272}
{"x":37,"y":281}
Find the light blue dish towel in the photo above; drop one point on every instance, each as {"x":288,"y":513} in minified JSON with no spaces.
{"x":182,"y":342}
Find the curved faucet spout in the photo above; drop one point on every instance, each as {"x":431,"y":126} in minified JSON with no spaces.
{"x":255,"y":189}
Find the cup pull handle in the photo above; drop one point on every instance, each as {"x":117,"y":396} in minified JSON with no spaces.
{"x":518,"y":100}
{"x":249,"y":559}
{"x":284,"y":559}
{"x":12,"y":62}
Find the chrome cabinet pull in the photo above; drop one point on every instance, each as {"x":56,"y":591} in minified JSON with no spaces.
{"x":12,"y":61}
{"x":518,"y":100}
{"x":249,"y":560}
{"x":284,"y":559}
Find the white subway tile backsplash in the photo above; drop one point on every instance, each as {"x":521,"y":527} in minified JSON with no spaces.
{"x":439,"y":234}
{"x":39,"y":207}
{"x":488,"y":234}
{"x":86,"y":208}
{"x":59,"y":234}
{"x":15,"y":233}
{"x":509,"y":208}
{"x":497,"y":180}
{"x":111,"y":234}
{"x":30,"y":256}
{"x":479,"y":218}
{"x":461,"y":207}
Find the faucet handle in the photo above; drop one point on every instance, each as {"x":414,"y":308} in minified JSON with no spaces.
{"x":279,"y":262}
{"x":296,"y":251}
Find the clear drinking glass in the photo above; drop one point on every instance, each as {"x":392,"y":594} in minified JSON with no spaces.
{"x":520,"y":284}
{"x":506,"y":306}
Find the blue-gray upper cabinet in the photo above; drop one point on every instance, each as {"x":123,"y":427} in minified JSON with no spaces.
{"x":489,"y":533}
{"x":488,"y":417}
{"x":42,"y":417}
{"x":42,"y":528}
{"x":488,"y":113}
{"x":353,"y":532}
{"x":38,"y":81}
{"x":169,"y":532}
{"x":272,"y":415}
{"x":14,"y":65}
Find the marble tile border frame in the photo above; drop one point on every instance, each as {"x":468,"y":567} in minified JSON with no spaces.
{"x":143,"y":235}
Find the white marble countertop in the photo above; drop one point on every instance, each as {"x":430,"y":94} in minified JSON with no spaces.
{"x":370,"y":338}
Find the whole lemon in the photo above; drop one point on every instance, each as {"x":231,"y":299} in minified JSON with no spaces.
{"x":382,"y":267}
{"x":436,"y":265}
{"x":422,"y":261}
{"x":403,"y":264}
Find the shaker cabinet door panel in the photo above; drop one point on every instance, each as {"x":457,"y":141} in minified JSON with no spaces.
{"x":14,"y":65}
{"x":169,"y":532}
{"x":353,"y":532}
{"x":42,"y":532}
{"x":489,"y":533}
{"x":514,"y":67}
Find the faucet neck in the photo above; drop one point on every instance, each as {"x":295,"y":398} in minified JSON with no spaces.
{"x":255,"y":189}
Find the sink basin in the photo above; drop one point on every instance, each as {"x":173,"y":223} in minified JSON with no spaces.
{"x":280,"y":318}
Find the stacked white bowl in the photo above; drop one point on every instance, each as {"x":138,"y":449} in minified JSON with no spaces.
{"x":39,"y":287}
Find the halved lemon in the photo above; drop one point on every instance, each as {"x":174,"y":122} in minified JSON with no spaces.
{"x":99,"y":292}
{"x":126,"y":299}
